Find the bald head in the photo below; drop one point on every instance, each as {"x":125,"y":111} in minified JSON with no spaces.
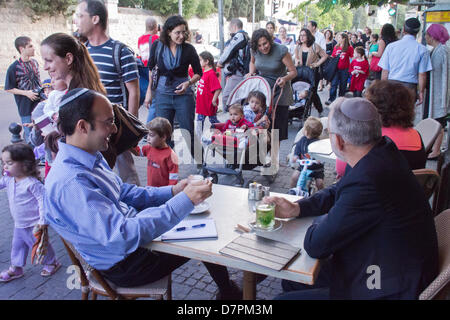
{"x":151,"y":24}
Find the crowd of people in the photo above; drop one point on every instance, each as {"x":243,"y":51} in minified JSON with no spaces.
{"x":371,"y":134}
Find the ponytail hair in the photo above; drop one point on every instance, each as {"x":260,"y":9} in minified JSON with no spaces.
{"x":207,"y":56}
{"x":83,"y":70}
{"x":361,"y":51}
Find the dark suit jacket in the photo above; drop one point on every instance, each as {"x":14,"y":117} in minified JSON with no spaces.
{"x":377,"y":216}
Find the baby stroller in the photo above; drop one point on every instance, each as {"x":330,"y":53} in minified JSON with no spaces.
{"x":240,"y":150}
{"x":305,"y":80}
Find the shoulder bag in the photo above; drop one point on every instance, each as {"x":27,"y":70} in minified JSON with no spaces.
{"x":330,"y":67}
{"x":374,"y":64}
{"x":155,"y":70}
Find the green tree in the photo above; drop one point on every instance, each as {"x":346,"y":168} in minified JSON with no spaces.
{"x":327,"y":5}
{"x":340,"y":18}
{"x":47,"y":7}
{"x":359,"y":18}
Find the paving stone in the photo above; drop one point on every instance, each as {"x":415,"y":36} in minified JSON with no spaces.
{"x":197,"y":294}
{"x":190,"y":282}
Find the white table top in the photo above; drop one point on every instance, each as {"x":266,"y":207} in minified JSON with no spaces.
{"x":228,"y":207}
{"x":321,"y":150}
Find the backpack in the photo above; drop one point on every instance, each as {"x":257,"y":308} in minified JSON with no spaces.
{"x":143,"y":73}
{"x":241,"y":61}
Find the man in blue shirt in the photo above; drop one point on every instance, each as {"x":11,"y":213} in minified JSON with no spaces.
{"x":406,"y":60}
{"x":109,"y":221}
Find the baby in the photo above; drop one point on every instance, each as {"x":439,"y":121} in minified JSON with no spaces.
{"x":237,"y":119}
{"x":255,"y":110}
{"x":52,"y":105}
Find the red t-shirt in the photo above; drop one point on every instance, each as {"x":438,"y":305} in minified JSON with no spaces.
{"x":207,"y":85}
{"x":357,"y":82}
{"x":344,"y":61}
{"x":232,"y":126}
{"x":144,"y":46}
{"x":404,"y":138}
{"x":162,"y":166}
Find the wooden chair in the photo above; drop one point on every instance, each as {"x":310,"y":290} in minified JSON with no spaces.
{"x":429,"y":180}
{"x":439,"y":288}
{"x":92,"y":281}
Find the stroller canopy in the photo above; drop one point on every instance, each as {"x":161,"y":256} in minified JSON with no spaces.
{"x":305,"y":74}
{"x":254,"y":83}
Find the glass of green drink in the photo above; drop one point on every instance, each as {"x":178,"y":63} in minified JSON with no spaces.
{"x":265,"y":215}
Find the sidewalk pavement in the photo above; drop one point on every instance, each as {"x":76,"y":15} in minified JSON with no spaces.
{"x":190,"y":282}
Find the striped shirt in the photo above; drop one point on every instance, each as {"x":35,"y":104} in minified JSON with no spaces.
{"x":103,"y":59}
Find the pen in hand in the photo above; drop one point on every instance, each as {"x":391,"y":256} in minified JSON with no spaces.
{"x":193,"y":227}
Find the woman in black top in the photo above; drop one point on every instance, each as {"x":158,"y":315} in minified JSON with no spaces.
{"x":330,"y":43}
{"x":173,"y":95}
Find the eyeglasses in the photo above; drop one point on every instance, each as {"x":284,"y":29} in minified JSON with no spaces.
{"x":177,"y":33}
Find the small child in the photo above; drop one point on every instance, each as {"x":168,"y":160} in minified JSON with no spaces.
{"x":237,"y":120}
{"x":52,"y":105}
{"x":359,"y":68}
{"x":313,"y":129}
{"x":255,"y":110}
{"x":208,"y":91}
{"x":162,"y":165}
{"x":25,"y":196}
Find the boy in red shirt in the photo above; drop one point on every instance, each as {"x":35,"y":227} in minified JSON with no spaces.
{"x":162,"y":165}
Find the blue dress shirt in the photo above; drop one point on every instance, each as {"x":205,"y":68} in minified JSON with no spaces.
{"x":105,"y":219}
{"x":405,"y":59}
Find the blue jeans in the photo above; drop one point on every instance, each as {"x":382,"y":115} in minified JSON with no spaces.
{"x":183,"y":107}
{"x":26,"y":131}
{"x":340,"y":79}
{"x":151,"y":111}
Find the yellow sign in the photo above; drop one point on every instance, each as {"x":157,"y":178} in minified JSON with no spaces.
{"x":438,"y":16}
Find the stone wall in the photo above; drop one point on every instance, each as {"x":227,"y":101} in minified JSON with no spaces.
{"x":125,"y":24}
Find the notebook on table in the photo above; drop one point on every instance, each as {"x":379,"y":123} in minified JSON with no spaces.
{"x":188,"y":230}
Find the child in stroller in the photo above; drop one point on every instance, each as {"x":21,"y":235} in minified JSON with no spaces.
{"x":302,"y":86}
{"x":255,"y":110}
{"x":314,"y":169}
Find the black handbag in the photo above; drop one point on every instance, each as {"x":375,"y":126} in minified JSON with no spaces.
{"x":330,"y":67}
{"x":155,"y":70}
{"x":130,"y":130}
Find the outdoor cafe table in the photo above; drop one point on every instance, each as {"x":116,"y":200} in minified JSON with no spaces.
{"x":228,"y":207}
{"x":321,"y":150}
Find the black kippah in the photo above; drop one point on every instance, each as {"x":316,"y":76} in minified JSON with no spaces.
{"x":412,"y":25}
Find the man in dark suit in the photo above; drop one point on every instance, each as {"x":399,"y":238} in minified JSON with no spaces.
{"x":375,"y":233}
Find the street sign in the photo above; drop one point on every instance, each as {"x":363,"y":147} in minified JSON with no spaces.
{"x":438,"y":16}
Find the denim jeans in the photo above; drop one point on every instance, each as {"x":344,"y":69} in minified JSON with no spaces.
{"x":26,"y":131}
{"x":183,"y":108}
{"x":340,"y":79}
{"x":151,"y":112}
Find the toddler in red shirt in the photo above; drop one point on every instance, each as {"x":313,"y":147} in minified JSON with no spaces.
{"x":162,"y":165}
{"x":359,"y":68}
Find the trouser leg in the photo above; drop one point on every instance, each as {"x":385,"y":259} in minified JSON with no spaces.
{"x":22,"y":242}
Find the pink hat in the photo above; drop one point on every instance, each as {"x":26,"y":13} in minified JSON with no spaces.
{"x":438,"y":32}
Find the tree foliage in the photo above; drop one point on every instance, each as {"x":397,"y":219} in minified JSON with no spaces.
{"x":338,"y":19}
{"x":201,"y":8}
{"x":47,"y":7}
{"x":327,"y":5}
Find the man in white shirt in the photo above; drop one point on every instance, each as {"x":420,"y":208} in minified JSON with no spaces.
{"x":320,"y":38}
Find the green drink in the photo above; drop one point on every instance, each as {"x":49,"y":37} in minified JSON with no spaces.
{"x":265,"y":215}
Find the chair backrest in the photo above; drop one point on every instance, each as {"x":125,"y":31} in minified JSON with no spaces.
{"x":428,"y":179}
{"x":429,"y":130}
{"x":83,"y":266}
{"x":442,"y":222}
